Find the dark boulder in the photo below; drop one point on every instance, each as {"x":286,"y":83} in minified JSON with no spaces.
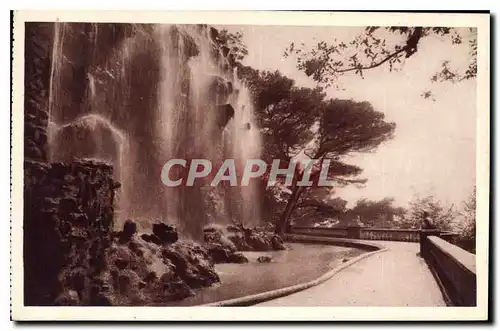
{"x":176,"y":290}
{"x":225,"y":51}
{"x":236,"y":227}
{"x":151,"y":238}
{"x":218,"y":253}
{"x":224,"y":114}
{"x":264,"y":259}
{"x":259,"y":242}
{"x":239,"y":242}
{"x":167,"y":234}
{"x":129,"y":229}
{"x":214,"y":33}
{"x":191,"y":49}
{"x":277,"y":243}
{"x":237,"y":258}
{"x":192,"y":265}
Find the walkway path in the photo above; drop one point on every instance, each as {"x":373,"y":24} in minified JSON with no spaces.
{"x":396,"y":277}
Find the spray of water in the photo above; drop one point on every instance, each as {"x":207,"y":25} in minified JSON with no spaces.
{"x":157,"y":92}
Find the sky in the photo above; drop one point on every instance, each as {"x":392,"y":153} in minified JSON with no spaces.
{"x":433,"y":151}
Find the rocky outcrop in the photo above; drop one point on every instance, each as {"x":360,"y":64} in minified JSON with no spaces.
{"x":223,"y":242}
{"x":167,"y":234}
{"x":140,"y":272}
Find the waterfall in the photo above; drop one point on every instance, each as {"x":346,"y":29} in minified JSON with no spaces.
{"x":138,"y":95}
{"x":246,"y":144}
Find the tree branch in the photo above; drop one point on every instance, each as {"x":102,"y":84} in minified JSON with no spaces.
{"x":374,"y":65}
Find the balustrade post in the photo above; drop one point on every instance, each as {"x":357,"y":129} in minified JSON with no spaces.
{"x":354,"y":232}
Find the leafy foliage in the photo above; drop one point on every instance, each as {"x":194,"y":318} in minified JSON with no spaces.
{"x":285,"y":113}
{"x":381,"y":213}
{"x":468,"y":214}
{"x":442,"y":215}
{"x":347,"y":126}
{"x":233,"y":42}
{"x":326,"y":62}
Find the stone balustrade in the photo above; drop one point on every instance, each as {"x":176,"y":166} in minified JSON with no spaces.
{"x":354,"y":232}
{"x":453,"y":267}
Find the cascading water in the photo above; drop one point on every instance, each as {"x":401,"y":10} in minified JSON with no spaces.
{"x":246,"y":145}
{"x":139,"y":95}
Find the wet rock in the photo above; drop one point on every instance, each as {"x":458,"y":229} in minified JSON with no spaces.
{"x":236,"y":227}
{"x":167,"y":234}
{"x":166,"y":277}
{"x":239,"y":241}
{"x":220,"y":87}
{"x":122,"y":257}
{"x":225,"y":51}
{"x":192,"y":264}
{"x":224,"y":115}
{"x":259,"y":243}
{"x":129,"y":229}
{"x":210,"y":230}
{"x":177,"y":290}
{"x":237,"y":258}
{"x":277,"y":243}
{"x":232,"y":60}
{"x":214,"y":33}
{"x":218,"y":253}
{"x":191,"y":49}
{"x":151,"y":238}
{"x":235,"y":237}
{"x":264,"y":259}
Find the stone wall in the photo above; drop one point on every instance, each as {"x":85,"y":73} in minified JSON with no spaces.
{"x":68,"y":218}
{"x":454,"y":269}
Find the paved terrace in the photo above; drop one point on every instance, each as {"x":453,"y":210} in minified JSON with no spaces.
{"x":395,"y":277}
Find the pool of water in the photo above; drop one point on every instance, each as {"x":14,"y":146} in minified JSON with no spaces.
{"x":298,"y":264}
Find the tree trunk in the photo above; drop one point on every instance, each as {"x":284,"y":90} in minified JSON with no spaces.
{"x":283,"y":223}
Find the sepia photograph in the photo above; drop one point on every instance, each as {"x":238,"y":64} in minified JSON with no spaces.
{"x":175,"y":165}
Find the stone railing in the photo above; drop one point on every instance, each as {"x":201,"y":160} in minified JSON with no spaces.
{"x":453,"y":267}
{"x":337,"y":232}
{"x":408,"y":235}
